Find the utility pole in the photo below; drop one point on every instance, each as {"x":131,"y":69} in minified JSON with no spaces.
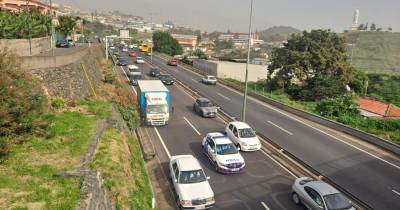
{"x":247,"y":65}
{"x":52,"y":28}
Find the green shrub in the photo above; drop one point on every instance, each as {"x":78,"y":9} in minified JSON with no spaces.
{"x":109,"y":78}
{"x":129,"y":114}
{"x":23,"y":103}
{"x":58,"y":103}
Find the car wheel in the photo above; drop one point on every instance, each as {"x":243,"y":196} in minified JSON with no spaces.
{"x":238,"y":146}
{"x":296,"y":198}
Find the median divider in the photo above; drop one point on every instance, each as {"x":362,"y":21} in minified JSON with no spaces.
{"x":283,"y":157}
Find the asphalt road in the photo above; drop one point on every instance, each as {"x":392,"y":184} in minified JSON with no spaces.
{"x":368,"y":173}
{"x":262,"y":183}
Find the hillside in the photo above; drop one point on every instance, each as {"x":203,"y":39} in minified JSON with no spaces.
{"x":376,"y":52}
{"x":277,"y":33}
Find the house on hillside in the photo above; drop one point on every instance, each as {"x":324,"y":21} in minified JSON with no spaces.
{"x":370,"y":107}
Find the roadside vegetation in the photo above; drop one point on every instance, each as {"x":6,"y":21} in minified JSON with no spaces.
{"x":165,"y":43}
{"x":24,"y":25}
{"x":42,"y":136}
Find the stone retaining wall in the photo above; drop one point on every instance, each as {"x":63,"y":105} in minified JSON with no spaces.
{"x":69,"y":81}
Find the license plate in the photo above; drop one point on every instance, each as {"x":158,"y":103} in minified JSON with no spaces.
{"x":235,"y":169}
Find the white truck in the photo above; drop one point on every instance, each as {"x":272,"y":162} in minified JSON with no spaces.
{"x":154,"y":102}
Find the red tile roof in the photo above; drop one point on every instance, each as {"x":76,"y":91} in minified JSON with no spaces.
{"x":378,"y":107}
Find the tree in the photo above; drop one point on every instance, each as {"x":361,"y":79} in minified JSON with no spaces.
{"x":165,"y":43}
{"x":361,"y":27}
{"x":390,"y":29}
{"x":366,"y":27}
{"x":359,"y":82}
{"x":373,"y":27}
{"x":223,"y":44}
{"x":200,"y":54}
{"x":66,"y":24}
{"x":198,"y":39}
{"x":312,"y":61}
{"x":335,"y":107}
{"x":379,"y":29}
{"x":23,"y":25}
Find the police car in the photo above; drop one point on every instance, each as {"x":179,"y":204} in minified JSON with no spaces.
{"x":222,"y":153}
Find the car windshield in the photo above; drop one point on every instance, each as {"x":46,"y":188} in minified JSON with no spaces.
{"x":156,"y":109}
{"x":246,"y":133}
{"x":206,"y":104}
{"x":136,"y":77}
{"x":189,"y":177}
{"x":165,"y":77}
{"x":337,"y":202}
{"x":139,"y":58}
{"x":226,"y":149}
{"x":211,"y":77}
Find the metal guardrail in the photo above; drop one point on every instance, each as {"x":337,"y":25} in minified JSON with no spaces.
{"x":301,"y":168}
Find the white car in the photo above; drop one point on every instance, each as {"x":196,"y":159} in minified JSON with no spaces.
{"x":243,"y":136}
{"x":222,"y":153}
{"x":139,"y":60}
{"x":191,"y":184}
{"x":124,"y":49}
{"x":209,"y":79}
{"x":132,"y":68}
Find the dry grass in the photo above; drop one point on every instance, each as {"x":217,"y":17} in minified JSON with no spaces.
{"x":123,"y":171}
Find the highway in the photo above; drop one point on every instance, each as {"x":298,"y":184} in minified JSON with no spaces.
{"x":363,"y":170}
{"x":263,"y":184}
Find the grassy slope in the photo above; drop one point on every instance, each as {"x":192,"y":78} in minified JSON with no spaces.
{"x":119,"y":160}
{"x":27,"y":177}
{"x":376,"y":52}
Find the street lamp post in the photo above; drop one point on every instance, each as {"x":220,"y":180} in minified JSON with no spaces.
{"x":247,"y":64}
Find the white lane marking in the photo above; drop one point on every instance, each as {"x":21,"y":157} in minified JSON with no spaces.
{"x":192,"y":126}
{"x":317,"y":129}
{"x":162,"y":142}
{"x":286,"y":131}
{"x":279,"y":164}
{"x":125,"y":73}
{"x":265,"y":206}
{"x":394,"y":191}
{"x":228,"y":99}
{"x":194,"y":80}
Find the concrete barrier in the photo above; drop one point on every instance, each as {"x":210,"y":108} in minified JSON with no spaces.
{"x":42,"y":62}
{"x":21,"y":46}
{"x":370,"y":138}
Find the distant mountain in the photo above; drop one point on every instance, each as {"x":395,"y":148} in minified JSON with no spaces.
{"x":277,"y":33}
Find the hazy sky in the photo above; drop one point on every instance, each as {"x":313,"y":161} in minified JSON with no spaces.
{"x":221,"y":15}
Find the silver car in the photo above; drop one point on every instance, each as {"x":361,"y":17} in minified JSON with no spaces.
{"x":318,"y":195}
{"x":205,"y":108}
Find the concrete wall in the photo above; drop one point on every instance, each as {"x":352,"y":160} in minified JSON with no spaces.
{"x":21,"y":46}
{"x":231,"y":70}
{"x":206,"y":67}
{"x":40,"y":62}
{"x":238,"y":71}
{"x":69,"y":81}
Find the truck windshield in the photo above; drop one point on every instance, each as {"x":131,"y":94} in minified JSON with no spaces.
{"x":156,"y":109}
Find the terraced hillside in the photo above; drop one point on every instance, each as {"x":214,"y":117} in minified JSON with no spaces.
{"x":376,"y":52}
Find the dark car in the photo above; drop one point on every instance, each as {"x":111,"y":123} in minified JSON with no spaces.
{"x":155,"y":72}
{"x":134,"y":77}
{"x":122,"y":62}
{"x":205,"y":108}
{"x":62,"y":44}
{"x":166,"y":79}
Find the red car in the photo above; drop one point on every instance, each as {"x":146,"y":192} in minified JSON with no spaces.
{"x":173,"y":62}
{"x":132,"y":54}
